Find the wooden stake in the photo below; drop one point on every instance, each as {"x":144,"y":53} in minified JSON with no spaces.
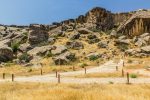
{"x":85,"y":70}
{"x":128,"y":79}
{"x":116,"y":68}
{"x":73,"y":68}
{"x":58,"y":78}
{"x":56,"y":73}
{"x":13,"y":77}
{"x":3,"y":75}
{"x":41,"y":72}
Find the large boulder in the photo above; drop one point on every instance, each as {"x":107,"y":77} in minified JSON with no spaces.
{"x":75,"y":36}
{"x":59,"y":50}
{"x":6,"y":42}
{"x":38,"y":34}
{"x":41,"y":51}
{"x":57,"y":32}
{"x":64,"y":58}
{"x":84,"y":31}
{"x":74,"y":45}
{"x":146,"y":49}
{"x":6,"y":54}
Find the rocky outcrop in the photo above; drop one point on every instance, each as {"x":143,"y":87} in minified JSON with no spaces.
{"x":99,"y":18}
{"x":38,"y":34}
{"x":6,"y":54}
{"x":139,"y":23}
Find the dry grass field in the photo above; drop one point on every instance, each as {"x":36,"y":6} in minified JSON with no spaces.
{"x":45,"y":91}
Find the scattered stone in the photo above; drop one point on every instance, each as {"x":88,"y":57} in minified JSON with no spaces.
{"x":74,"y":45}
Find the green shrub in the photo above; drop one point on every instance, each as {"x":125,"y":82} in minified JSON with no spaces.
{"x":15,"y":46}
{"x":93,"y":58}
{"x":48,"y":54}
{"x":24,"y":57}
{"x":133,"y":76}
{"x":82,"y":65}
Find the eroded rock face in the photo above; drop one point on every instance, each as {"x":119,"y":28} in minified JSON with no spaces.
{"x":6,"y":54}
{"x":138,"y":24}
{"x":38,"y":34}
{"x":99,"y":18}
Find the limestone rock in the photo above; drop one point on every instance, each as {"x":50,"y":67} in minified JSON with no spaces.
{"x":38,"y":34}
{"x":6,"y":54}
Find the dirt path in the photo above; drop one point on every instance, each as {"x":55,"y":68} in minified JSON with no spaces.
{"x":107,"y":67}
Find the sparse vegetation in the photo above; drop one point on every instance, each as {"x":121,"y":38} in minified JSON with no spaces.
{"x":83,"y":65}
{"x":133,"y":75}
{"x":15,"y":46}
{"x":93,"y":58}
{"x":25,"y":57}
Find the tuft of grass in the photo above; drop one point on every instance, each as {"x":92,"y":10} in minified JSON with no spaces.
{"x":83,"y":65}
{"x":133,"y":75}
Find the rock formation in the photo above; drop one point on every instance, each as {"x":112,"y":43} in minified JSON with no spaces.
{"x":138,"y":24}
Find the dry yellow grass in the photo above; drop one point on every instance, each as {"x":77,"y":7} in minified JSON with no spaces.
{"x":100,"y":75}
{"x":41,"y":91}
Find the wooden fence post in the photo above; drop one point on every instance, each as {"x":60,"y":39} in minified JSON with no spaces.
{"x":73,"y":68}
{"x":3,"y":75}
{"x":128,"y":79}
{"x":116,"y":68}
{"x":58,"y":78}
{"x":41,"y":72}
{"x":85,"y":70}
{"x":13,"y":77}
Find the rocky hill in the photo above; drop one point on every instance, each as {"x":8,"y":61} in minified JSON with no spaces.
{"x":98,"y":35}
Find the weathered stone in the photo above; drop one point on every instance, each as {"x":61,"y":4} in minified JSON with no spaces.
{"x":59,"y":50}
{"x":103,"y":44}
{"x":99,"y":18}
{"x":119,"y":42}
{"x":113,"y":33}
{"x":38,"y":34}
{"x":75,"y":36}
{"x":84,"y":31}
{"x":137,"y":24}
{"x":25,"y":47}
{"x":64,"y":58}
{"x":6,"y":54}
{"x":91,"y":36}
{"x":146,"y":49}
{"x":51,"y":40}
{"x":74,"y":45}
{"x":41,"y":51}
